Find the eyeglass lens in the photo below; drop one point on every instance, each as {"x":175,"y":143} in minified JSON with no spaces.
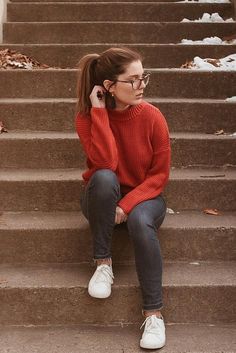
{"x":137,"y":83}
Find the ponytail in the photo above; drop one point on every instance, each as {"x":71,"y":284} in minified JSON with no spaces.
{"x":86,"y":82}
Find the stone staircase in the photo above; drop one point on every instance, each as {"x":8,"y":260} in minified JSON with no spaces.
{"x":46,"y":248}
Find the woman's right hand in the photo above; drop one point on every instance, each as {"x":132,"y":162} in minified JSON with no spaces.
{"x":98,"y":102}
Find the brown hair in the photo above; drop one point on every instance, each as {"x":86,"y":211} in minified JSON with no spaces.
{"x":95,"y":68}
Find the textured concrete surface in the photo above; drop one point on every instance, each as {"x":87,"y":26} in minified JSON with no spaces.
{"x":100,"y":32}
{"x":154,"y":55}
{"x":57,"y":294}
{"x":59,"y":189}
{"x":132,"y":11}
{"x":53,"y":83}
{"x":59,"y":114}
{"x":63,"y":150}
{"x":36,"y":237}
{"x":80,"y":339}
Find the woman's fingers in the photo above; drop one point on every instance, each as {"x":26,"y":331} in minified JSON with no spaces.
{"x":97,"y":97}
{"x":120,"y":216}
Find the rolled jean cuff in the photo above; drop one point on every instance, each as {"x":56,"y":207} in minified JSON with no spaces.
{"x":101,"y":257}
{"x":152,"y":307}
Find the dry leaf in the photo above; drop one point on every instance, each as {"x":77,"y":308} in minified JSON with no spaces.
{"x":212,"y":211}
{"x":219,"y":132}
{"x":229,"y":39}
{"x":187,"y":65}
{"x":214,"y":62}
{"x":2,"y":128}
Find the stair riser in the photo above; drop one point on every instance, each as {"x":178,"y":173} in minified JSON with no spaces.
{"x":64,"y":195}
{"x":115,"y":12}
{"x":62,"y":83}
{"x":207,"y":117}
{"x":162,"y":56}
{"x":124,"y":32}
{"x":67,"y":153}
{"x":75,"y":245}
{"x":49,"y":306}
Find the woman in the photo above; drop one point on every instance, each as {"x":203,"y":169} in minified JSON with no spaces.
{"x":127,"y":145}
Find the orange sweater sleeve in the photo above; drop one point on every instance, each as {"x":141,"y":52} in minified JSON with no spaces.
{"x":97,"y":139}
{"x":158,"y":174}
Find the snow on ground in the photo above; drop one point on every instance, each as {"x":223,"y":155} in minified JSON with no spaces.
{"x":207,"y":41}
{"x":206,"y":1}
{"x":228,"y":63}
{"x":231,"y":99}
{"x":214,"y":17}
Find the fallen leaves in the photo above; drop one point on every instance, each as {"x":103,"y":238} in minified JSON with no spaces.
{"x":10,"y":59}
{"x":212,"y":211}
{"x":2,"y":128}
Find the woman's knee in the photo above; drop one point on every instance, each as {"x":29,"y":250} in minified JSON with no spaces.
{"x":141,"y":225}
{"x":104,"y":180}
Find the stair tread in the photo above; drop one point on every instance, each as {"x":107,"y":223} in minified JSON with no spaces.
{"x":75,"y":220}
{"x":191,"y":338}
{"x":151,"y":69}
{"x":149,"y":99}
{"x":126,"y":22}
{"x":176,"y":274}
{"x":32,"y":135}
{"x":75,"y":174}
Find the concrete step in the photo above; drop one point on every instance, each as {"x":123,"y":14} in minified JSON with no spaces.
{"x":65,"y":237}
{"x":206,"y":115}
{"x":100,"y":32}
{"x":117,"y":11}
{"x":62,"y":83}
{"x":87,"y":1}
{"x":155,"y":55}
{"x":59,"y":189}
{"x":56,"y":294}
{"x":63,"y":150}
{"x":191,"y":338}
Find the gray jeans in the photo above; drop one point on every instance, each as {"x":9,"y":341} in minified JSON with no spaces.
{"x":98,"y":202}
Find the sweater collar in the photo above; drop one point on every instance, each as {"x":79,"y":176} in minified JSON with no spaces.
{"x":126,"y":114}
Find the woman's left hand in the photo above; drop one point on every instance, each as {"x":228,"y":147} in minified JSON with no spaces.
{"x":121,"y":216}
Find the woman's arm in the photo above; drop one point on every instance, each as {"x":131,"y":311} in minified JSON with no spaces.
{"x":97,"y":139}
{"x":158,"y":174}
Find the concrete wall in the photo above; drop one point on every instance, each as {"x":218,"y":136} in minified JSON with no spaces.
{"x":2,"y":15}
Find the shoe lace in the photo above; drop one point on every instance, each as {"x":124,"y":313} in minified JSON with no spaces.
{"x":104,"y":273}
{"x":151,"y":324}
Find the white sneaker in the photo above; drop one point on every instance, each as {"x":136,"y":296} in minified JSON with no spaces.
{"x":101,"y":281}
{"x":154,"y":333}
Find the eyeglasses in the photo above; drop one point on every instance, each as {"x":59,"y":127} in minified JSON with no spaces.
{"x":136,"y":83}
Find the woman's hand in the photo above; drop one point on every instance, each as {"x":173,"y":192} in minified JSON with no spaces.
{"x":97,"y":97}
{"x":120,"y":216}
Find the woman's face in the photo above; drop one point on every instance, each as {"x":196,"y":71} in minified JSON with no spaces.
{"x":123,"y":92}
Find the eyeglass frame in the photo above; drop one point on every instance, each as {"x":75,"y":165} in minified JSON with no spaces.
{"x":132,"y":81}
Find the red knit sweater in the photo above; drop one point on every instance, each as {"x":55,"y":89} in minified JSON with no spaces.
{"x":134,"y":143}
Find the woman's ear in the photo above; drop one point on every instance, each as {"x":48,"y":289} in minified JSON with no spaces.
{"x":107,"y":84}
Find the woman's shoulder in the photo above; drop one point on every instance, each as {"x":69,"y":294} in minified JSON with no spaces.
{"x":153,"y":111}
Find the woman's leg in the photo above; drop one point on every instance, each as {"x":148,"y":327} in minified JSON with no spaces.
{"x":98,"y":203}
{"x":143,"y":223}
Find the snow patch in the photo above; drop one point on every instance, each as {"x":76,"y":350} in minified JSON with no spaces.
{"x":231,"y":99}
{"x":228,"y":63}
{"x":207,"y":41}
{"x":214,"y":17}
{"x":207,"y":1}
